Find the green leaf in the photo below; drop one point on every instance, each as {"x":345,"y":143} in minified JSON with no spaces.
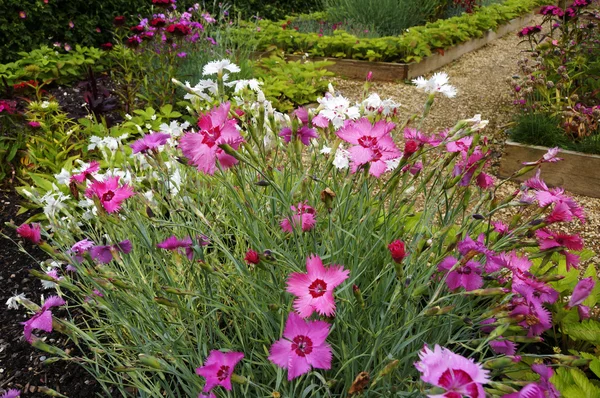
{"x":588,"y":330}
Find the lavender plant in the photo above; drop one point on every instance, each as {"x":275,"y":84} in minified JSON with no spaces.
{"x":260,"y":254}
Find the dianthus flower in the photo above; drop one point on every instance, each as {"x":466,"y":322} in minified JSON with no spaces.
{"x":542,"y":389}
{"x":314,"y":290}
{"x":303,"y":346}
{"x":202,"y":148}
{"x":178,"y":29}
{"x":31,"y":232}
{"x":535,"y":318}
{"x":105,"y":254}
{"x":457,"y":375}
{"x":467,"y":275}
{"x":85,"y":171}
{"x":437,"y":84}
{"x":12,"y":393}
{"x":150,"y":142}
{"x":397,"y":250}
{"x":42,"y":320}
{"x":218,"y":368}
{"x":110,"y":194}
{"x":252,"y":257}
{"x":304,"y":133}
{"x":304,"y":218}
{"x":174,"y":244}
{"x":548,"y":240}
{"x":581,"y":292}
{"x":372,"y":144}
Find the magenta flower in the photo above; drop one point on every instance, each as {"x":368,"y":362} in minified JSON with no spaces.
{"x":467,"y":275}
{"x":581,"y":292}
{"x":500,"y":227}
{"x":371,"y":144}
{"x":105,"y":254}
{"x":534,"y":316}
{"x":80,"y":248}
{"x":304,"y":133}
{"x":303,"y":346}
{"x":542,"y":389}
{"x":457,"y":375}
{"x":109,"y":193}
{"x":314,"y":290}
{"x":42,"y":320}
{"x":502,"y":346}
{"x":548,"y":240}
{"x":218,"y":368}
{"x":202,"y":148}
{"x":484,"y":181}
{"x":421,"y":138}
{"x":549,"y":157}
{"x":304,"y":218}
{"x":31,"y":232}
{"x":12,"y":393}
{"x":150,"y":142}
{"x":93,"y":167}
{"x":461,"y":145}
{"x":174,"y":244}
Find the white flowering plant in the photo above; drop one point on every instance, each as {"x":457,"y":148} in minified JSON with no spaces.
{"x":256,"y":253}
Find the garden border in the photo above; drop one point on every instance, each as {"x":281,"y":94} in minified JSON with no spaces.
{"x":577,"y":172}
{"x":391,"y":71}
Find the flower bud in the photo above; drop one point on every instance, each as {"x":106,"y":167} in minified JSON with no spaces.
{"x":498,"y":363}
{"x":150,"y":361}
{"x":358,"y":296}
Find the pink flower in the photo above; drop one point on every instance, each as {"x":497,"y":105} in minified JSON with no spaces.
{"x":461,"y":145}
{"x":12,"y":393}
{"x":581,"y":292}
{"x":202,"y":148}
{"x":500,"y":227}
{"x":466,"y":275}
{"x":549,"y":157}
{"x":304,"y":133}
{"x":542,"y":389}
{"x":314,"y":290}
{"x":30,"y":232}
{"x":218,"y":368}
{"x":93,"y":167}
{"x":421,"y":138}
{"x":42,"y":320}
{"x":109,"y":193}
{"x":372,"y":144}
{"x":34,"y":124}
{"x":80,"y":248}
{"x":397,"y":250}
{"x":548,"y":240}
{"x":174,"y":244}
{"x":304,"y":217}
{"x":457,"y":375}
{"x":484,"y":181}
{"x":252,"y":257}
{"x":303,"y":346}
{"x":534,"y":316}
{"x":150,"y":142}
{"x":502,"y":346}
{"x":105,"y":254}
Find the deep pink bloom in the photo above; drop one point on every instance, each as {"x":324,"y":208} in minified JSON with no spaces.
{"x":484,"y":181}
{"x":304,"y":217}
{"x":314,"y":290}
{"x":583,"y":311}
{"x":457,"y":375}
{"x":174,"y":244}
{"x":252,"y":257}
{"x":536,"y":182}
{"x":93,"y":167}
{"x":534,"y":316}
{"x":202,"y":148}
{"x":12,"y":393}
{"x":371,"y":144}
{"x":303,"y":346}
{"x":500,"y":227}
{"x":503,"y":346}
{"x":150,"y":142}
{"x":581,"y":292}
{"x":109,"y":193}
{"x":105,"y":254}
{"x":31,"y":232}
{"x":466,"y":275}
{"x":80,"y":248}
{"x":532,"y":289}
{"x":542,"y":389}
{"x":304,"y":134}
{"x":34,"y":124}
{"x":218,"y":368}
{"x":421,"y":138}
{"x":42,"y":320}
{"x":397,"y":250}
{"x":468,"y":165}
{"x":461,"y":145}
{"x":548,"y":240}
{"x":410,"y":147}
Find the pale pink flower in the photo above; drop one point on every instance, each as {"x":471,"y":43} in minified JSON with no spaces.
{"x":371,"y":144}
{"x":93,"y":167}
{"x":31,"y":232}
{"x":581,"y":292}
{"x":12,"y":393}
{"x":42,"y":320}
{"x":303,"y":346}
{"x":457,"y":375}
{"x":110,"y":194}
{"x":461,"y":145}
{"x":304,"y":217}
{"x":218,"y":368}
{"x":150,"y":142}
{"x":314,"y":290}
{"x":548,"y":157}
{"x":202,"y":148}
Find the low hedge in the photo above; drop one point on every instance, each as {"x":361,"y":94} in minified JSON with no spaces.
{"x":414,"y":45}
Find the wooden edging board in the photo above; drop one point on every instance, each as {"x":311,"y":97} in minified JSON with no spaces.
{"x":390,"y":71}
{"x":577,"y":172}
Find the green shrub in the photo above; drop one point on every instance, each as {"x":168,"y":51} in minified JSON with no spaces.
{"x":274,"y":9}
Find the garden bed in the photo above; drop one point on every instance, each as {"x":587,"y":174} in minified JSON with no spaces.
{"x":392,"y":71}
{"x":577,"y":172}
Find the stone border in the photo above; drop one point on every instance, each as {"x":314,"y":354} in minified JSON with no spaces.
{"x":390,"y":71}
{"x":577,"y":172}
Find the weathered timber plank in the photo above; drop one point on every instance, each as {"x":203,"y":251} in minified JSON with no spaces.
{"x":578,"y":172}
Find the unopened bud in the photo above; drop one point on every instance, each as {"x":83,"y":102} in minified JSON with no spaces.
{"x":488,"y":292}
{"x":150,"y":361}
{"x":238,"y":379}
{"x":498,"y":363}
{"x":166,"y":302}
{"x":358,"y":296}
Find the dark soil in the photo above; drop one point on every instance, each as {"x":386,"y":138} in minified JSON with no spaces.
{"x":22,"y":366}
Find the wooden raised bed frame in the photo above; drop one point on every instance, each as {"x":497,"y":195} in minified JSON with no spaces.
{"x":577,"y":172}
{"x":390,"y":71}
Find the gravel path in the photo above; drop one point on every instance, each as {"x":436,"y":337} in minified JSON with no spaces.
{"x":481,"y":78}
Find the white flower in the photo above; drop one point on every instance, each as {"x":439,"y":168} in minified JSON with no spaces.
{"x":240,"y":85}
{"x":45,"y":104}
{"x":437,"y":84}
{"x":13,"y":302}
{"x":217,"y":67}
{"x":342,"y":159}
{"x":153,"y":117}
{"x":325,"y":150}
{"x":205,"y":89}
{"x":128,"y":116}
{"x":373,"y":102}
{"x":64,"y":177}
{"x":174,"y":128}
{"x":392,"y":164}
{"x":48,"y":284}
{"x":337,"y":109}
{"x":478,"y":124}
{"x":389,"y":107}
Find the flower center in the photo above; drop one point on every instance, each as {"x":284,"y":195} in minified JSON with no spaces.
{"x":317,"y":288}
{"x":531,"y":320}
{"x":108,"y":195}
{"x":464,"y":270}
{"x":223,"y":373}
{"x":211,"y":136}
{"x":367,"y":141}
{"x":454,"y":380}
{"x":302,"y":345}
